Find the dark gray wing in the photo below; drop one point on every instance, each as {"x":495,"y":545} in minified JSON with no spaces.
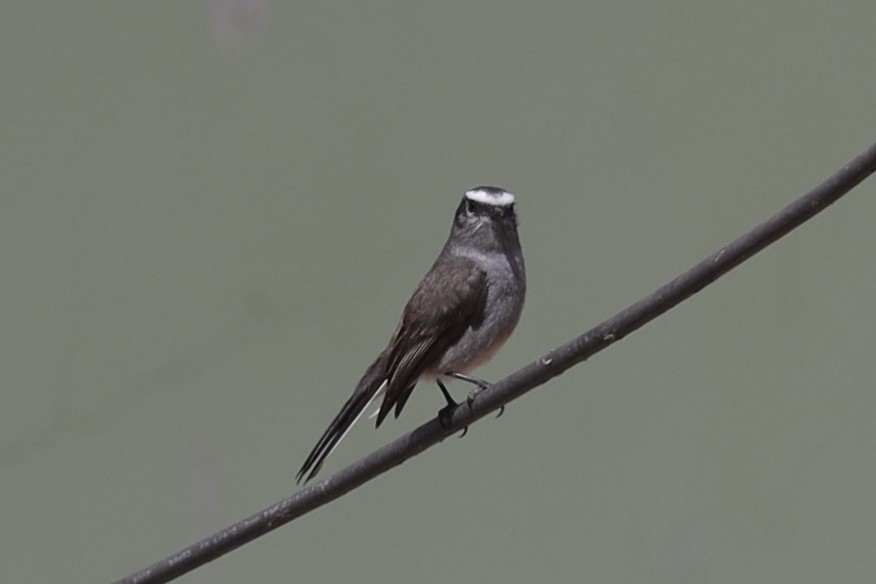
{"x":449,"y":300}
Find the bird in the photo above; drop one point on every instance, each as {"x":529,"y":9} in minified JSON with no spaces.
{"x":460,"y":314}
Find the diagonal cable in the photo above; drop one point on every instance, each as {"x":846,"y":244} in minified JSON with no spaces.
{"x":529,"y":377}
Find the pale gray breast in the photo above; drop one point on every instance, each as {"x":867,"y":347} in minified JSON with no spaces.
{"x":506,"y":281}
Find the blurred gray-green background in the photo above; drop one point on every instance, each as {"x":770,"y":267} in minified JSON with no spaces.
{"x":212,"y":213}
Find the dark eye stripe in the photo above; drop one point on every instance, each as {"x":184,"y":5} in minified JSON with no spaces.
{"x":478,"y":208}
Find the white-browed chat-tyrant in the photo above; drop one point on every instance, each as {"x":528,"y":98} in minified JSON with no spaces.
{"x":460,"y":315}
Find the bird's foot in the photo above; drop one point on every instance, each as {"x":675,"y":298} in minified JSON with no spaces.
{"x":445,"y":415}
{"x":480,"y":386}
{"x":473,"y":394}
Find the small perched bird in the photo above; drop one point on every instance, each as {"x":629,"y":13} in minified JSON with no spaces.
{"x":460,"y":315}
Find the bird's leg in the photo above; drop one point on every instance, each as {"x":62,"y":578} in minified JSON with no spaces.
{"x":480,"y":383}
{"x":445,"y":413}
{"x":462,"y":376}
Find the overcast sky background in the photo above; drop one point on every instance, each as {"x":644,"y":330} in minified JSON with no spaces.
{"x":212,"y":214}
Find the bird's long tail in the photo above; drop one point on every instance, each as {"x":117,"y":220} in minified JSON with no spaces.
{"x":372,"y":385}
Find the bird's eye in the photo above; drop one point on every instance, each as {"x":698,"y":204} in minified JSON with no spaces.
{"x":469,"y":206}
